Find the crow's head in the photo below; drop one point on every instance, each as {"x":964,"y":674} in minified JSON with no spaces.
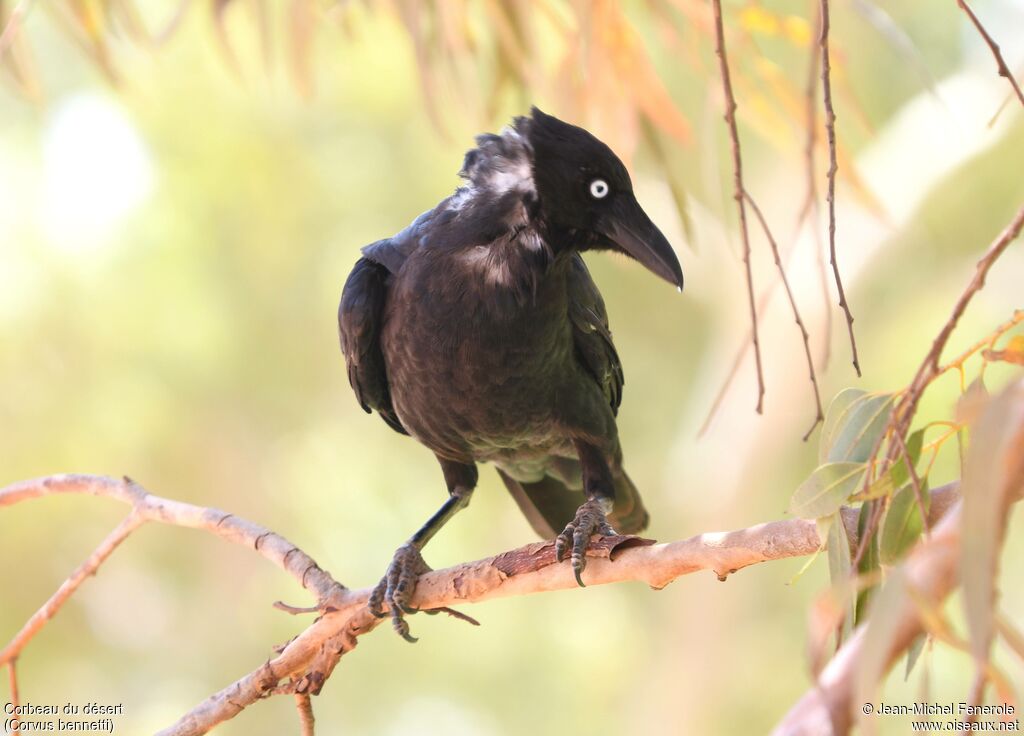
{"x":583,"y":189}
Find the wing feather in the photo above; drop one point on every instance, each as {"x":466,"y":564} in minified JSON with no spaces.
{"x":360,"y":314}
{"x":591,"y":333}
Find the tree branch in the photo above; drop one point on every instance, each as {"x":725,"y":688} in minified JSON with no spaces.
{"x":306,"y":720}
{"x":833,"y":168}
{"x":905,"y":410}
{"x":147,"y":507}
{"x":738,"y":189}
{"x":12,"y":681}
{"x":931,"y":571}
{"x":820,"y":415}
{"x":1004,"y":70}
{"x":303,"y":665}
{"x":915,"y":589}
{"x":310,"y":658}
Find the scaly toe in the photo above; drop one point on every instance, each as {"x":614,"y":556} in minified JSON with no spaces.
{"x":395,"y":590}
{"x":589,"y":520}
{"x":563,"y":541}
{"x":376,"y":601}
{"x":400,"y":625}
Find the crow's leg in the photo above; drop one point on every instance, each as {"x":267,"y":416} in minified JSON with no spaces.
{"x":591,"y":517}
{"x":396,"y":587}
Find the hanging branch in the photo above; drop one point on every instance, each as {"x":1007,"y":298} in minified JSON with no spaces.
{"x":928,"y":371}
{"x":738,"y":190}
{"x":833,"y":168}
{"x":820,"y":415}
{"x":1004,"y":70}
{"x":810,"y":211}
{"x":912,"y":594}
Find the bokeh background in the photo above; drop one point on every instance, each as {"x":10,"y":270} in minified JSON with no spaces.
{"x":172,"y":249}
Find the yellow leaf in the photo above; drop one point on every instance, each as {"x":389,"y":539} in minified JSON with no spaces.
{"x":797,"y":30}
{"x":636,"y":72}
{"x":1013,"y":353}
{"x":1016,"y":348}
{"x":756,"y":19}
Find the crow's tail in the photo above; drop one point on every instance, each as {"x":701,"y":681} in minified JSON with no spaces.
{"x":550,"y":503}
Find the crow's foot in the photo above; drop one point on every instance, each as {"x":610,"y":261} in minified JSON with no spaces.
{"x":590,"y":519}
{"x":396,"y":588}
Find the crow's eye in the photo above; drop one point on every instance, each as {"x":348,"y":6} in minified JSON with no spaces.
{"x":599,"y":189}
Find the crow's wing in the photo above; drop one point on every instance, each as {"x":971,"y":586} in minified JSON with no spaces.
{"x":360,"y":315}
{"x":591,"y":335}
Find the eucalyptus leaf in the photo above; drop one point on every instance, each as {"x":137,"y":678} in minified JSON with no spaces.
{"x":900,"y":471}
{"x":833,"y":417}
{"x":986,"y":486}
{"x":913,"y":653}
{"x":882,"y":632}
{"x":826,"y":490}
{"x":903,"y":523}
{"x":881,"y":486}
{"x":839,"y":563}
{"x":857,"y":429}
{"x":869,"y":562}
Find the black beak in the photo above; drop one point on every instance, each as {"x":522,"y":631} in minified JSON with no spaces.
{"x":632,"y":231}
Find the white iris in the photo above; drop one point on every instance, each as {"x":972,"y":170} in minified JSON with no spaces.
{"x":599,"y":189}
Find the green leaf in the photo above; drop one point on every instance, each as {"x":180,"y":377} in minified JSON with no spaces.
{"x":887,"y":483}
{"x":882,"y":632}
{"x":839,"y":563}
{"x":913,"y":653}
{"x":869,"y":563}
{"x":992,"y":455}
{"x":900,"y":471}
{"x":903,"y":523}
{"x":835,"y":412}
{"x":857,"y":428}
{"x":881,"y":486}
{"x":826,"y":490}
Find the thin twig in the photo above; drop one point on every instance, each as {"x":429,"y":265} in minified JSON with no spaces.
{"x":904,"y":412}
{"x":306,"y":720}
{"x":974,"y":698}
{"x":148,"y":507}
{"x":833,"y":167}
{"x":932,"y":571}
{"x":12,"y":681}
{"x":915,"y":482}
{"x":810,"y":211}
{"x":820,"y":415}
{"x":13,"y":24}
{"x":88,"y":568}
{"x":1004,"y":70}
{"x":741,"y":352}
{"x":737,"y":360}
{"x":738,"y":189}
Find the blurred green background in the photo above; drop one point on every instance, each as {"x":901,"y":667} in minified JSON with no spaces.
{"x":172,"y":249}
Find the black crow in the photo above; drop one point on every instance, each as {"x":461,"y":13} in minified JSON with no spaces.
{"x":478,"y":331}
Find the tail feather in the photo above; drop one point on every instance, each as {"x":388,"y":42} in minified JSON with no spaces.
{"x":549,"y":504}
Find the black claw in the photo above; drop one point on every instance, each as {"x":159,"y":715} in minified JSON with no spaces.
{"x":579,"y":577}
